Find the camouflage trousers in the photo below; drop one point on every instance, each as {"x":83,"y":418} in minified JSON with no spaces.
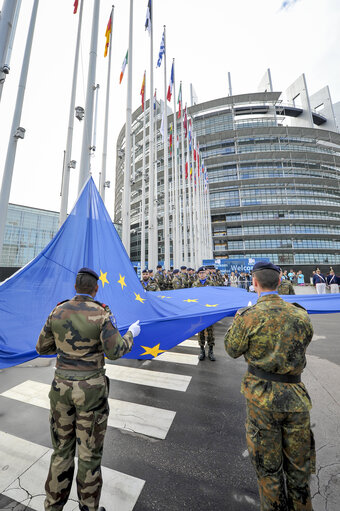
{"x":209,"y":333}
{"x":281,"y":447}
{"x":78,"y":416}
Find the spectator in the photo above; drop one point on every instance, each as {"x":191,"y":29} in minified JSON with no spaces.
{"x":291,"y":274}
{"x":300,"y":278}
{"x":233,"y":279}
{"x":319,"y":282}
{"x":333,"y":281}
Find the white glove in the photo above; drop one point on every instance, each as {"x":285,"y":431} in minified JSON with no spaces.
{"x":135,"y":329}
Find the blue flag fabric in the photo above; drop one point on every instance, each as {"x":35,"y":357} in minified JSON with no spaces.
{"x":88,"y":238}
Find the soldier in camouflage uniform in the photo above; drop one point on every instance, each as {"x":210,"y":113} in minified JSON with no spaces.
{"x":148,"y":283}
{"x":285,"y":286}
{"x":177,"y":282}
{"x":273,"y":336}
{"x":184,"y":276}
{"x":191,"y":277}
{"x":159,"y":278}
{"x":80,"y":331}
{"x":203,"y":281}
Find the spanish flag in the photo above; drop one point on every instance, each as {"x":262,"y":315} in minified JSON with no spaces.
{"x":75,"y":5}
{"x":125,"y":61}
{"x":108,"y":34}
{"x":142,"y":91}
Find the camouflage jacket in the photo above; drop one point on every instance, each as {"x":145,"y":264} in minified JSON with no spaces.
{"x":160,"y":280}
{"x":198,"y":283}
{"x":185,"y":279}
{"x":177,"y":282}
{"x":150,"y":285}
{"x":286,"y":288}
{"x":80,"y":331}
{"x":272,"y":335}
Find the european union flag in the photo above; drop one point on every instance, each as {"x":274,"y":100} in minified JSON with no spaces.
{"x":88,"y":238}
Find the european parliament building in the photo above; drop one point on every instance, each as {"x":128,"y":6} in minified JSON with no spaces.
{"x":273,"y":162}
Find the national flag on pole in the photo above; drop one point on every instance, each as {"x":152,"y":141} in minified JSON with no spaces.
{"x":171,"y":84}
{"x":195,"y":151}
{"x":190,"y":171}
{"x":108,"y":35}
{"x":75,"y":5}
{"x":154,"y":99}
{"x":185,"y":122}
{"x":205,"y":181}
{"x":142,"y":91}
{"x":161,"y":52}
{"x":190,"y":134}
{"x":198,"y":158}
{"x":148,"y":17}
{"x":170,"y":139}
{"x":179,"y":101}
{"x":202,"y":168}
{"x":186,"y":169}
{"x":125,"y":61}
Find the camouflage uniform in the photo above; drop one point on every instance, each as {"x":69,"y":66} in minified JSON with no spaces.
{"x":286,"y":288}
{"x":150,"y":285}
{"x":185,"y":279}
{"x":273,"y":336}
{"x":80,"y":331}
{"x":177,"y":282}
{"x":209,"y":331}
{"x":160,"y":281}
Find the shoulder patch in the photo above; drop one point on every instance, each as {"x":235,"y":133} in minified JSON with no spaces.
{"x":113,"y":321}
{"x":298,"y":305}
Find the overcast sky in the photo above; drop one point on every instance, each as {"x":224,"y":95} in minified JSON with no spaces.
{"x":207,"y":39}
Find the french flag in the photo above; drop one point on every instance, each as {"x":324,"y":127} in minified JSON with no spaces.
{"x":171,"y":84}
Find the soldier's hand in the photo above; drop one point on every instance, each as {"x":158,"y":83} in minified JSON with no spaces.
{"x":135,"y":328}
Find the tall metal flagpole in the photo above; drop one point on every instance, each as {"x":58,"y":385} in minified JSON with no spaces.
{"x":184,"y":195}
{"x":190,"y":237}
{"x":67,"y":159}
{"x":176,"y":189}
{"x":106,"y":122}
{"x":142,"y":248}
{"x":166,"y":234}
{"x":84,"y":171}
{"x":8,"y":24}
{"x":151,"y":228}
{"x":16,"y":131}
{"x":155,"y":220}
{"x":127,"y":170}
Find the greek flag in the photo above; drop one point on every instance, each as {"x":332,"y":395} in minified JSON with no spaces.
{"x":161,"y":52}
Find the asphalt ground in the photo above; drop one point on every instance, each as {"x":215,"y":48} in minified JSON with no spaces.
{"x":203,"y":462}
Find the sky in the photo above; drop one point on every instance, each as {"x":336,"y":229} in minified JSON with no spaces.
{"x":207,"y":40}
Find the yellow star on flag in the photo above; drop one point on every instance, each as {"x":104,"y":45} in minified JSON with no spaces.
{"x":155,"y":351}
{"x":139,"y":298}
{"x":210,"y":305}
{"x":103,"y":278}
{"x":189,"y":300}
{"x":121,"y":281}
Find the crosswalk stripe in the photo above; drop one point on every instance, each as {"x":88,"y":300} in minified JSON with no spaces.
{"x":29,"y":462}
{"x":178,"y":358}
{"x":189,"y":344}
{"x":146,"y":420}
{"x":150,"y":378}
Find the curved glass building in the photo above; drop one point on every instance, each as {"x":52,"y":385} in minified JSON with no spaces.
{"x":273,"y":162}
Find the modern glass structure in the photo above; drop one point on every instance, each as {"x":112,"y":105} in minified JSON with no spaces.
{"x":273,"y":161}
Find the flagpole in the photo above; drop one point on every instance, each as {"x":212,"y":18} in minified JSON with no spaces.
{"x":184,"y":193}
{"x":194,"y":200}
{"x":84,"y":170}
{"x":142,"y":248}
{"x":155,"y":249}
{"x":166,"y":234}
{"x":173,"y":207}
{"x":106,"y":122}
{"x":190,"y":238}
{"x":176,"y":189}
{"x":210,"y":240}
{"x":8,"y":24}
{"x":16,"y":131}
{"x":67,"y":159}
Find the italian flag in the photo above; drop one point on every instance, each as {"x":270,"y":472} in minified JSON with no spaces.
{"x":125,"y":61}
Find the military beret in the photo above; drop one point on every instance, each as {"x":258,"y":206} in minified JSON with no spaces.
{"x":159,"y":266}
{"x":201,"y":268}
{"x":150,"y":271}
{"x":183,"y":267}
{"x":145,"y":270}
{"x":175,"y":271}
{"x":263,"y":265}
{"x":82,"y":271}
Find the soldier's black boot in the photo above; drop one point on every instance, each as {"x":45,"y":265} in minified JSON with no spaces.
{"x":211,"y":355}
{"x":202,"y":354}
{"x":102,"y":509}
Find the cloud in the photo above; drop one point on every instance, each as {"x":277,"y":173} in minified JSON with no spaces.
{"x":286,"y":4}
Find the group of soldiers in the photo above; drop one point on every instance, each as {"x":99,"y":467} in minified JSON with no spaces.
{"x":163,"y":280}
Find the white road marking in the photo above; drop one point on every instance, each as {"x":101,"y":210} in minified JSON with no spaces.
{"x":178,"y":358}
{"x":189,"y":344}
{"x":150,"y":378}
{"x":245,"y":453}
{"x":318,"y":337}
{"x":30,"y":462}
{"x":147,"y":420}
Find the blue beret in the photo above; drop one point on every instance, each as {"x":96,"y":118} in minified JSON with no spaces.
{"x":150,"y":271}
{"x":82,"y":271}
{"x":263,"y":265}
{"x":183,"y":267}
{"x":175,"y":271}
{"x":201,"y":268}
{"x":145,"y":270}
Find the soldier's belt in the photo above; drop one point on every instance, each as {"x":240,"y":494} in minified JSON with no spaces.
{"x":283,"y":378}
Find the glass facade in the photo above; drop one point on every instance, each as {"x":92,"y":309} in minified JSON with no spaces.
{"x":274,"y":181}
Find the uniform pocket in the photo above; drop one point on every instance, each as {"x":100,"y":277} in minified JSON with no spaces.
{"x":54,"y":432}
{"x":99,"y":424}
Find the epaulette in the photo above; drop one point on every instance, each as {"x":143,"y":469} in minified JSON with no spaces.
{"x":106,"y":307}
{"x":244,"y":309}
{"x":298,"y":305}
{"x":63,"y":302}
